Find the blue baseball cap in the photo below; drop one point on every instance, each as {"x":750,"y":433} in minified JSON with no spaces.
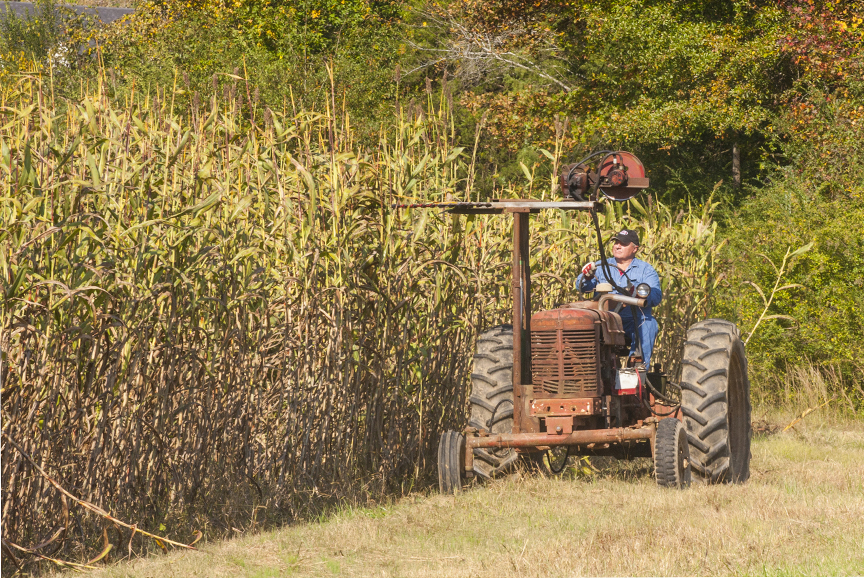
{"x":627,"y":236}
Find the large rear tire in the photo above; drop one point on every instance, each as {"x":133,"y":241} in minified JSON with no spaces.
{"x":715,"y":401}
{"x":492,"y":397}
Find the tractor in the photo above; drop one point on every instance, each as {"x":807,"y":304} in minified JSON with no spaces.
{"x":562,"y":382}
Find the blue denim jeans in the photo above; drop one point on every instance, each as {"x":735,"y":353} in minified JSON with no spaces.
{"x":648,"y":330}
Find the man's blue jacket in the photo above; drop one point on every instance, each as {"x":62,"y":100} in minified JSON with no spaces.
{"x":638,"y":272}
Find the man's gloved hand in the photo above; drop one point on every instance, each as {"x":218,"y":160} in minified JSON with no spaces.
{"x":588,"y":270}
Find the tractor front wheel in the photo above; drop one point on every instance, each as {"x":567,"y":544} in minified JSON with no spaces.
{"x":715,"y":401}
{"x":672,"y":454}
{"x":451,"y":462}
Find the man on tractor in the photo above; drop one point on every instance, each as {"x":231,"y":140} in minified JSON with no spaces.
{"x":626,"y":274}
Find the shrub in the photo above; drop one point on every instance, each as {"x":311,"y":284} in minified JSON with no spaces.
{"x":51,"y":36}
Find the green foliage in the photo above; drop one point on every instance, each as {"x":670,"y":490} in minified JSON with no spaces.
{"x":813,"y":194}
{"x":659,"y":75}
{"x":677,"y":83}
{"x":827,"y":312}
{"x":34,"y":35}
{"x":51,"y":35}
{"x":284,"y":54}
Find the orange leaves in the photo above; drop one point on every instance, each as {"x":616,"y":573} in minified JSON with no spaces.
{"x":825,"y":41}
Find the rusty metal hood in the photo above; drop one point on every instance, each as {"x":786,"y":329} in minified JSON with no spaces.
{"x":582,"y":315}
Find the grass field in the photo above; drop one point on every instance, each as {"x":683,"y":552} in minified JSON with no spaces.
{"x":802,"y":513}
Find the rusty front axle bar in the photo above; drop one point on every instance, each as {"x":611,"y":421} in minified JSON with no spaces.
{"x":579,"y":437}
{"x":540,"y":440}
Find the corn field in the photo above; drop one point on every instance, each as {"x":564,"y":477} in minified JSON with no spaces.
{"x":212,"y":318}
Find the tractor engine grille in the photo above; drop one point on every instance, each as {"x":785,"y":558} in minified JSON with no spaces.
{"x":565,"y":362}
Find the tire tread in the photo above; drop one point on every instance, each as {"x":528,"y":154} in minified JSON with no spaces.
{"x":712,"y":349}
{"x":491,"y":398}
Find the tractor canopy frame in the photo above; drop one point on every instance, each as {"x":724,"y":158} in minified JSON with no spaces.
{"x":573,"y":391}
{"x":524,"y":436}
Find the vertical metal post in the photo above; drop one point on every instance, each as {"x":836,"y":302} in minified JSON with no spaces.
{"x":521,"y":315}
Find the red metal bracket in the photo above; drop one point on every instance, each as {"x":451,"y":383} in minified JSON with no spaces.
{"x":565,"y":407}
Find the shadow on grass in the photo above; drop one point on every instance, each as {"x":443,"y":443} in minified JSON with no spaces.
{"x":593,"y":468}
{"x":632,"y":470}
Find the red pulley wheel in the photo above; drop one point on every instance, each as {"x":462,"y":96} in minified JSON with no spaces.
{"x":622,"y":176}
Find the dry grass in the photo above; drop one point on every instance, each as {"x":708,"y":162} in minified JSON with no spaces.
{"x":806,"y":386}
{"x":802,"y":513}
